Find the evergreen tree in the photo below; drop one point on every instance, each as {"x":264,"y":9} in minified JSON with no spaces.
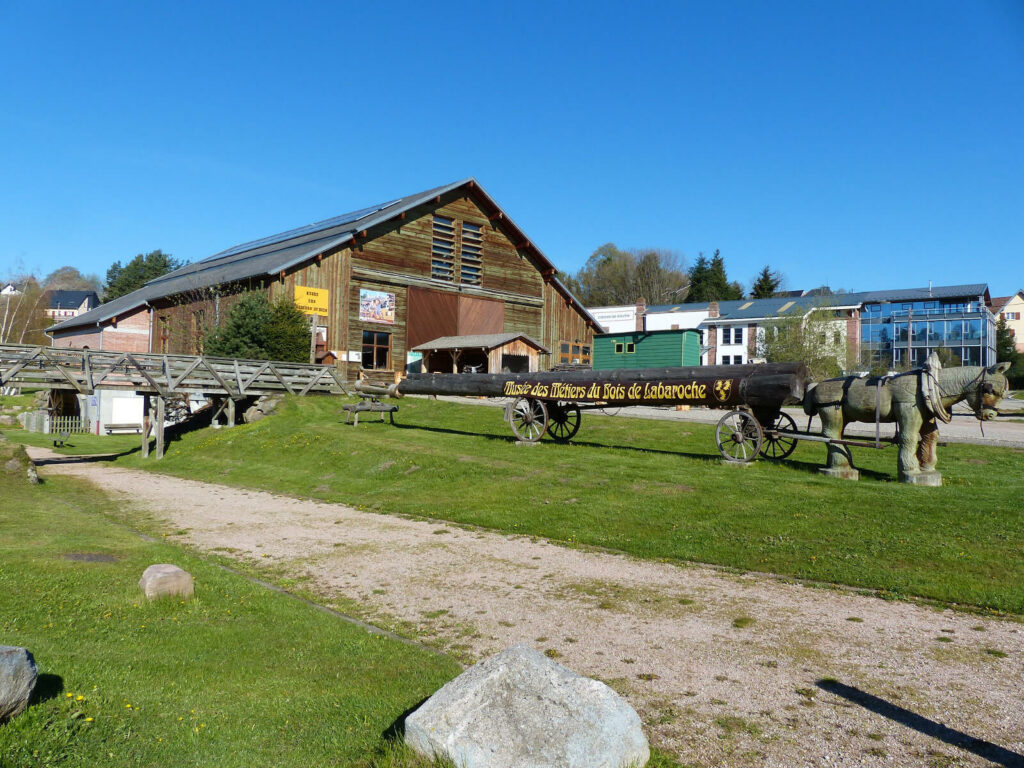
{"x":288,"y":333}
{"x":244,"y":332}
{"x":709,"y":282}
{"x":255,"y":329}
{"x":1006,"y":344}
{"x":122,"y":280}
{"x":766,"y":284}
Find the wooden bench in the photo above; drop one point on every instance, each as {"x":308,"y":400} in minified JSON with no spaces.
{"x":372,"y":405}
{"x":111,"y":428}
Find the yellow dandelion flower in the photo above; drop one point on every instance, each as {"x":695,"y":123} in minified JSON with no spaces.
{"x":88,"y":719}
{"x":79,"y":697}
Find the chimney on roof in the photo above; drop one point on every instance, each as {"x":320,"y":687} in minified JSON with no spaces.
{"x":641,"y":313}
{"x":713,"y":309}
{"x":929,"y":289}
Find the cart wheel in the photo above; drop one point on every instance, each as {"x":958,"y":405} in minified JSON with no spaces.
{"x":529,"y":419}
{"x":564,"y":421}
{"x":739,"y":437}
{"x":778,"y":446}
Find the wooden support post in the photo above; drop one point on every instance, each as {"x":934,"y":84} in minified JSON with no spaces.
{"x":160,"y":416}
{"x":146,"y":424}
{"x":230,"y":405}
{"x":312,"y":340}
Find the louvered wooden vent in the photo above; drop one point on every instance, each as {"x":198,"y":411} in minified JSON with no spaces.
{"x":442,"y":254}
{"x":472,"y":253}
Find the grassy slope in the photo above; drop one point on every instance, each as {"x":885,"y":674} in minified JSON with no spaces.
{"x":238,"y":676}
{"x":653,"y":489}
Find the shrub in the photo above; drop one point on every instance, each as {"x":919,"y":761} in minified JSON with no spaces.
{"x":258,"y":330}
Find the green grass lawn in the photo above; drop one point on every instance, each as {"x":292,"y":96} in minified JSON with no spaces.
{"x":653,"y":489}
{"x":237,"y":676}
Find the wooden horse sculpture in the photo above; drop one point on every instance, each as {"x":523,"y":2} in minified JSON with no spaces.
{"x":916,"y":401}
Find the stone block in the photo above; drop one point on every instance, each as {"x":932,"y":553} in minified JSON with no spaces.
{"x":927,"y":478}
{"x":520,"y":709}
{"x":842,"y":474}
{"x":166,"y":580}
{"x":18,"y":676}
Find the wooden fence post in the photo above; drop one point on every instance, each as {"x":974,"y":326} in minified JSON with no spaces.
{"x":146,"y":424}
{"x":160,"y":415}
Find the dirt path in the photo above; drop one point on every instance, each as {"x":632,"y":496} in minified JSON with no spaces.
{"x":726,"y":669}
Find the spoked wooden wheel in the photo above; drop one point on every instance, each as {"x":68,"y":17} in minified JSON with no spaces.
{"x":778,"y":446}
{"x":564,"y":421}
{"x":739,"y":437}
{"x":529,"y":419}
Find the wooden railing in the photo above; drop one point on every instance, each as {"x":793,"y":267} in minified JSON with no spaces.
{"x":86,"y":370}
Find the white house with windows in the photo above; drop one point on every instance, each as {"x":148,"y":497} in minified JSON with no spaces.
{"x":1010,"y":309}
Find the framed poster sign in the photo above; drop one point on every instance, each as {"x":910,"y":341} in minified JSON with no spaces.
{"x":376,"y":306}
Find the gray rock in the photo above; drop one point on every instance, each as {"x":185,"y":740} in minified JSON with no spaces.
{"x":519,"y":709}
{"x":18,"y":676}
{"x":262,"y":408}
{"x":166,"y":580}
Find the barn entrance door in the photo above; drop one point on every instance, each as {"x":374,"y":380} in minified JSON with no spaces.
{"x":433,"y":314}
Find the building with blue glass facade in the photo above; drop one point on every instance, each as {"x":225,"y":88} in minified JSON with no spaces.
{"x":901,"y":328}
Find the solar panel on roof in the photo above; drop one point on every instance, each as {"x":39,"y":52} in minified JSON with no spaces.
{"x":337,"y":221}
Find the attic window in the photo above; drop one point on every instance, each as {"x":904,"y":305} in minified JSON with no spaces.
{"x":472,"y":251}
{"x":442,"y":252}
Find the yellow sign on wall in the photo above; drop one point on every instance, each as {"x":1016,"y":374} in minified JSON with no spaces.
{"x":311,"y":301}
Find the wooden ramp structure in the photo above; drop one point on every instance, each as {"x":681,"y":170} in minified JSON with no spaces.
{"x":160,"y":377}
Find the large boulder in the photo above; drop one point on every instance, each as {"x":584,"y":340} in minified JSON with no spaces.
{"x":166,"y":580}
{"x":18,"y":676}
{"x":520,"y":709}
{"x":263,"y":407}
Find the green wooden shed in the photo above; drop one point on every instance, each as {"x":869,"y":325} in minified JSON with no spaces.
{"x":646,"y":349}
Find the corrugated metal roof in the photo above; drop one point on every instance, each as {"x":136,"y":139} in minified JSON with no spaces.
{"x":477,"y":341}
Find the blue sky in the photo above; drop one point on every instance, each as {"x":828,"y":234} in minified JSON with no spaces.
{"x":864,"y":145}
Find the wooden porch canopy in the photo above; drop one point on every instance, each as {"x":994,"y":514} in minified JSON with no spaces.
{"x":482,"y":353}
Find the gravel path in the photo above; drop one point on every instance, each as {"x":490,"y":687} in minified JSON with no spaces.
{"x":726,"y":669}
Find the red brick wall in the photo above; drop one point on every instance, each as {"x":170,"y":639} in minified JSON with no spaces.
{"x":78,"y":340}
{"x":853,"y":334}
{"x":128,"y":334}
{"x":712,"y":335}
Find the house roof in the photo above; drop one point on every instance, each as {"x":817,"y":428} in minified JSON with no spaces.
{"x":997,"y":303}
{"x":969,"y":291}
{"x":753,"y":309}
{"x":478,"y":341}
{"x":271,"y":255}
{"x":60,"y":299}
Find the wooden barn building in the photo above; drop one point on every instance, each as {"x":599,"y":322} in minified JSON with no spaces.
{"x":444,"y":263}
